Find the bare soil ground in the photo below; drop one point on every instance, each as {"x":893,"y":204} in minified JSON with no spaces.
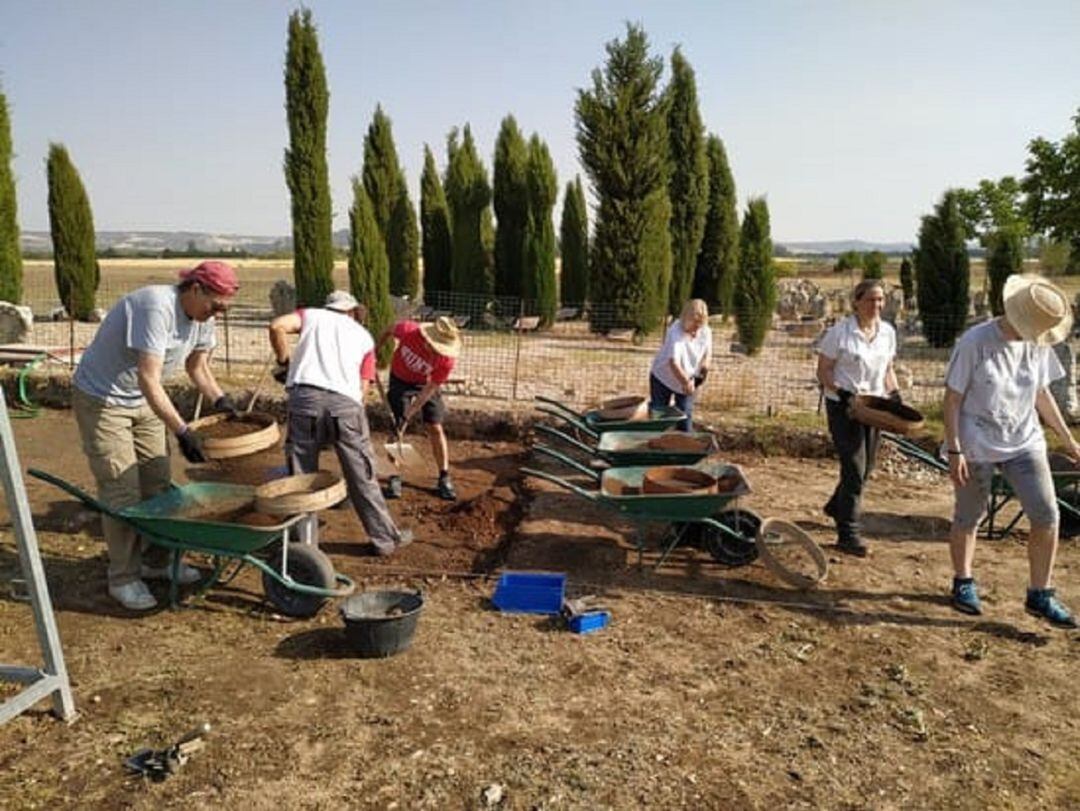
{"x":713,"y":687}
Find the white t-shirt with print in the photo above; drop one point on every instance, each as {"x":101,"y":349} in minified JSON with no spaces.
{"x":861,"y":363}
{"x":688,"y":353}
{"x":999,"y":380}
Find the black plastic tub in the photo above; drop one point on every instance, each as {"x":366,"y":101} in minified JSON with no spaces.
{"x":381,"y":623}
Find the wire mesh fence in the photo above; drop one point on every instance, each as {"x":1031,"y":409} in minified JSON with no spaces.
{"x":508,"y":354}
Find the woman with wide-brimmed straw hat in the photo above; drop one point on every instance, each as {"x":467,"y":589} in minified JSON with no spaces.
{"x":997,"y":387}
{"x":422,"y":362}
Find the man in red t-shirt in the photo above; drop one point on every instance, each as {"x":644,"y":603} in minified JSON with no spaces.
{"x":422,"y":362}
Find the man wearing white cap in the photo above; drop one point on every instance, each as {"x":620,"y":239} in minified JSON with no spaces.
{"x":326,"y":378}
{"x":997,"y":388}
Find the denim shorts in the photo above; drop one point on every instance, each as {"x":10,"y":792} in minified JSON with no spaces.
{"x":1029,"y":477}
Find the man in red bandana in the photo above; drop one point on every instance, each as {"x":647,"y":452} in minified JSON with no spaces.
{"x":124,"y":414}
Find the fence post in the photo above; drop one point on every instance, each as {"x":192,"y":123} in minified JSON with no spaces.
{"x":228,"y":360}
{"x":71,"y":329}
{"x":517,"y":347}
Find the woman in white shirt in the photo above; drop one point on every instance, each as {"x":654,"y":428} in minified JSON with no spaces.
{"x":997,"y":387}
{"x":855,"y":357}
{"x":681,"y":365}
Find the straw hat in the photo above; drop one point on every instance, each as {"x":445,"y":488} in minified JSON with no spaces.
{"x":442,"y":335}
{"x":1037,"y":309}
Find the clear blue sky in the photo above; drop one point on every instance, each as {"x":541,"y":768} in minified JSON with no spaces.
{"x":852,"y":117}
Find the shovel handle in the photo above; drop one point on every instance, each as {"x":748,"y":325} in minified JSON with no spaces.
{"x":195,"y":734}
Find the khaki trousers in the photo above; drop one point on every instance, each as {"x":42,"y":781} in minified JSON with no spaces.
{"x":129,"y":458}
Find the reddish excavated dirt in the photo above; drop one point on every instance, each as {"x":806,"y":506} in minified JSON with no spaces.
{"x":713,"y":688}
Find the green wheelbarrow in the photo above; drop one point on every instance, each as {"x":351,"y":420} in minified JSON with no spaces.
{"x":628,"y":448}
{"x":1065,"y":475}
{"x":298,"y":578}
{"x":593,"y":425}
{"x":709,"y":521}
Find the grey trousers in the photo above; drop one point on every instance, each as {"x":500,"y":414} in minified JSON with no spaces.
{"x":856,"y":445}
{"x":318,"y":418}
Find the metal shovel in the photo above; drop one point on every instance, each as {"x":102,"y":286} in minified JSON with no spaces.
{"x":401,"y":453}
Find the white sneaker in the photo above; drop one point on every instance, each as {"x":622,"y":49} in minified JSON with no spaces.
{"x":185,"y":577}
{"x":134,"y":596}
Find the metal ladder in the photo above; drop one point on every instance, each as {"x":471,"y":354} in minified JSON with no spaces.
{"x":51,"y":680}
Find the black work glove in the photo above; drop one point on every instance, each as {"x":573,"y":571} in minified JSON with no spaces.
{"x":699,"y":381}
{"x":227,"y":405}
{"x":281,"y":372}
{"x":191,"y":445}
{"x":845,"y":396}
{"x":894,"y":395}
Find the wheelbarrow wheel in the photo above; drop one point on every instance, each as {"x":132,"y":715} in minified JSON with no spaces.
{"x":307,"y":565}
{"x":728,"y":550}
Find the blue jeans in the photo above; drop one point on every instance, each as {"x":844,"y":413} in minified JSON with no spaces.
{"x":660,"y":397}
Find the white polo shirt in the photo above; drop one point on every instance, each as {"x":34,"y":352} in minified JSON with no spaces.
{"x":861,"y":363}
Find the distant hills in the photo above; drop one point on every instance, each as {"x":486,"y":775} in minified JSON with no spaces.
{"x":156,"y":242}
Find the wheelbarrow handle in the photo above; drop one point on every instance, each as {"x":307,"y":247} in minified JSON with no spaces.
{"x":563,"y":483}
{"x":553,"y":402}
{"x":566,"y":460}
{"x":569,"y":417}
{"x":71,"y":489}
{"x":569,"y":440}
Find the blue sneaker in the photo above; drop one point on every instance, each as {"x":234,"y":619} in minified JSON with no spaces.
{"x":965,"y":597}
{"x":1043,"y":603}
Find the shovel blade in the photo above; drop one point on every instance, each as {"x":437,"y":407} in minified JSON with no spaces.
{"x":402,"y":454}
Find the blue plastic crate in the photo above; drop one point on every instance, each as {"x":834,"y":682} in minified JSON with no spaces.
{"x":589,"y":621}
{"x":530,"y":592}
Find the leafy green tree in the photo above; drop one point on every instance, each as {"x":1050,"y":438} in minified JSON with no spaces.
{"x":11,"y":270}
{"x":718,"y":261}
{"x":469,"y":194}
{"x":574,"y":246}
{"x":1053,"y":256}
{"x":755,"y":287}
{"x":1052,"y":185}
{"x":71,"y":224}
{"x":511,"y":202}
{"x":369,"y":270}
{"x":994,"y":214}
{"x":907,"y":279}
{"x":848,"y":260}
{"x":622,"y":139}
{"x":942,"y":273}
{"x":435,"y":225}
{"x":307,"y":102}
{"x":402,"y":245}
{"x":539,"y":248}
{"x":873,"y":265}
{"x":688,"y":186}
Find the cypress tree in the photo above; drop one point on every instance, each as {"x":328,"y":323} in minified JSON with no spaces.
{"x":622,"y":138}
{"x":469,"y":195}
{"x":1005,"y":257}
{"x":942,"y":273}
{"x":574,"y":246}
{"x":403,"y":242}
{"x":907,"y":279}
{"x":382,"y":172}
{"x":755,"y":287}
{"x":369,"y":271}
{"x":539,"y":250}
{"x":71,"y":224}
{"x":718,"y":261}
{"x":510,"y":198}
{"x":307,"y":102}
{"x":435,"y":224}
{"x":688,"y":186}
{"x":10,"y":253}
